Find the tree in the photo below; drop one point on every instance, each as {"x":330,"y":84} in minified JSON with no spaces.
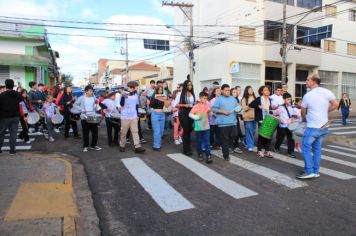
{"x":67,"y":78}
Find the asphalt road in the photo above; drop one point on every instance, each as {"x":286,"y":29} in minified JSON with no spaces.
{"x":129,"y":204}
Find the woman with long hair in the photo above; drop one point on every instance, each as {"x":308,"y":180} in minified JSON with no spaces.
{"x":187,"y":101}
{"x":214,"y":129}
{"x":344,"y":104}
{"x":25,"y":108}
{"x":235,"y":93}
{"x":249,"y":117}
{"x":66,"y":100}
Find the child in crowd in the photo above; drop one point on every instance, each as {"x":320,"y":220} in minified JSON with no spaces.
{"x":49,"y":109}
{"x":200,"y":114}
{"x":214,"y":129}
{"x":25,"y":108}
{"x":297,"y":110}
{"x":286,"y":117}
{"x":109,"y":106}
{"x":178,"y":131}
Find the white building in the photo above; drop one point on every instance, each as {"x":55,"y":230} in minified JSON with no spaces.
{"x":254,"y":43}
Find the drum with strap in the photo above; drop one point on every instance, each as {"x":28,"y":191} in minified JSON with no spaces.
{"x":57,"y":119}
{"x":115,"y":117}
{"x":269,"y":125}
{"x":33,"y":118}
{"x":92,"y":117}
{"x":297,"y":128}
{"x":75,"y":113}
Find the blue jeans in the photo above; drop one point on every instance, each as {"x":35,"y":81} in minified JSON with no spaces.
{"x":203,"y":142}
{"x":158,"y":120}
{"x":311,"y":148}
{"x":250,"y":129}
{"x":345,"y":114}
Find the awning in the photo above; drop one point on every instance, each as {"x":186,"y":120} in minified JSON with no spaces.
{"x":23,"y":60}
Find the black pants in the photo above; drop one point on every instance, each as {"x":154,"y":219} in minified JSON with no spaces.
{"x":228,"y":135}
{"x":69,"y":123}
{"x":93,"y":128}
{"x":215,"y":136}
{"x":263,"y":143}
{"x":239,"y":136}
{"x":12,"y":125}
{"x":281,"y":133}
{"x":187,"y":124}
{"x":149,"y":122}
{"x":109,"y":128}
{"x":24,"y":133}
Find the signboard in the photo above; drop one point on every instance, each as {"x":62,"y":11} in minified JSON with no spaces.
{"x":156,"y":44}
{"x":234,"y":67}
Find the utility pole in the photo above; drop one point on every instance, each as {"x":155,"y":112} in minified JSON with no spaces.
{"x":284,"y":43}
{"x":127,"y":58}
{"x":187,"y":9}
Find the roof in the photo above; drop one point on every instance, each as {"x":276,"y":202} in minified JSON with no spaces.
{"x":151,"y":76}
{"x":144,"y":66}
{"x":116,"y":71}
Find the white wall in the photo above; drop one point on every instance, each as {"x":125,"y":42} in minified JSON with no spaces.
{"x":15,"y":47}
{"x":17,"y":73}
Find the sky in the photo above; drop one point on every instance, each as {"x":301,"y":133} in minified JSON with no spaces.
{"x":79,"y":55}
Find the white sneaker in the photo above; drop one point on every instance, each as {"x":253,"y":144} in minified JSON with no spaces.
{"x":306,"y":176}
{"x":250,"y":149}
{"x":70,"y":130}
{"x":45,"y":135}
{"x":57,"y":130}
{"x":176,"y":142}
{"x":51,"y":139}
{"x":85,"y":149}
{"x":237,"y":150}
{"x":38,"y":133}
{"x":28,"y":142}
{"x":180,"y":140}
{"x":96,"y":148}
{"x":316,"y":175}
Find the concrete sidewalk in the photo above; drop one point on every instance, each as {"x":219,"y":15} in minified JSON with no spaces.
{"x":37,"y":196}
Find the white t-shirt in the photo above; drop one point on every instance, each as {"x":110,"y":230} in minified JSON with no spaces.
{"x":89,"y":104}
{"x":317,"y":102}
{"x":276,"y":100}
{"x":128,"y":111}
{"x":111,"y":104}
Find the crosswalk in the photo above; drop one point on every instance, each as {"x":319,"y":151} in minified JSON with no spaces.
{"x":170,"y":200}
{"x":338,"y":129}
{"x":20,"y":144}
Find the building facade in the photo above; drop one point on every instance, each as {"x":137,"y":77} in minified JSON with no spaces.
{"x":243,"y":47}
{"x":26,"y":55}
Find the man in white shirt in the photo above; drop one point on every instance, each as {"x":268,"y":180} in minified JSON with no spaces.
{"x":316,"y":105}
{"x":277,"y":98}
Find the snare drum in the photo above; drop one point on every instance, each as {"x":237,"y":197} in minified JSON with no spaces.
{"x":33,"y":118}
{"x":92,"y":118}
{"x":269,"y":125}
{"x":75,"y":113}
{"x":57,"y":119}
{"x":115,"y":118}
{"x":297,"y":128}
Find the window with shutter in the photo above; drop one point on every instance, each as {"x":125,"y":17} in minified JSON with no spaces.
{"x":351,"y":49}
{"x":352,"y":15}
{"x":329,"y":46}
{"x":4,"y":74}
{"x":330,"y":11}
{"x":247,"y":34}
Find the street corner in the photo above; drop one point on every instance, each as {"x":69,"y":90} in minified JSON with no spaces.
{"x":43,"y":193}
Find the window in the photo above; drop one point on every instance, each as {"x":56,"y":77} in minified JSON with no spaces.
{"x":273,"y":31}
{"x":349,"y":84}
{"x":289,"y":2}
{"x":352,"y":15}
{"x":330,"y":11}
{"x":329,"y":80}
{"x":329,"y":46}
{"x":156,"y":44}
{"x":351,"y":49}
{"x":309,"y":3}
{"x":249,"y":74}
{"x":273,"y":73}
{"x":247,"y":34}
{"x":313,"y":36}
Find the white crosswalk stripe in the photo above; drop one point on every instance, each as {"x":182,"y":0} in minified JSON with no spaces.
{"x":30,"y":134}
{"x":18,"y":140}
{"x":162,"y":193}
{"x":342,"y":128}
{"x":343,"y":148}
{"x":18,"y":148}
{"x":265,"y":172}
{"x":226,"y":185}
{"x":344,"y":133}
{"x":323,"y":170}
{"x":336,"y":160}
{"x":340,"y":153}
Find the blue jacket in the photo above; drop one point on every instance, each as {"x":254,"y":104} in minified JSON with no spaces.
{"x":226,"y":104}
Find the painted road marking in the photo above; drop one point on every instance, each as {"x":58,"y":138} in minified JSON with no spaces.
{"x":18,"y":140}
{"x":343,"y":133}
{"x":341,"y":128}
{"x":19,"y":148}
{"x":162,"y":193}
{"x":265,"y":172}
{"x":30,"y":134}
{"x":343,"y":148}
{"x":335,"y":160}
{"x":226,"y":185}
{"x":323,"y":170}
{"x":340,"y":153}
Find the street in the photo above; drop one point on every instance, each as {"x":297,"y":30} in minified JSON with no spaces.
{"x":223,"y":198}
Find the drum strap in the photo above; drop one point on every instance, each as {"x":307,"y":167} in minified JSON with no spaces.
{"x":285,"y":106}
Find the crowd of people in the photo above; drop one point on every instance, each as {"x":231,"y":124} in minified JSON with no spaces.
{"x":223,"y":118}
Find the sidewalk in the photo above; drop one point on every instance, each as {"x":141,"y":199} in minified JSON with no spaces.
{"x":37,"y":196}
